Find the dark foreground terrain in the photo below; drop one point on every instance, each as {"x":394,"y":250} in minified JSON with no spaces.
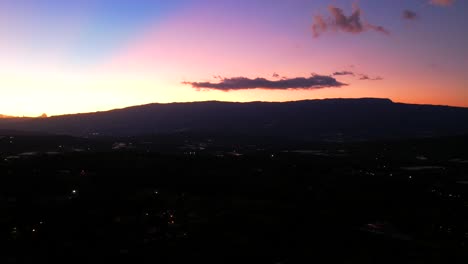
{"x":150,"y":200}
{"x":309,"y":120}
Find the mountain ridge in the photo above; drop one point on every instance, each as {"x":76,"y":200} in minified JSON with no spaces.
{"x":363,"y":118}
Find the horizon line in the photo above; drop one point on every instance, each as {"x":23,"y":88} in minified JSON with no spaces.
{"x":2,"y":116}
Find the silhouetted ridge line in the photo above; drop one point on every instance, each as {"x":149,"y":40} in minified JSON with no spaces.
{"x":327,"y":119}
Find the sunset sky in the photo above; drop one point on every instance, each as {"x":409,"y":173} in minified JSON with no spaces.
{"x":59,"y":57}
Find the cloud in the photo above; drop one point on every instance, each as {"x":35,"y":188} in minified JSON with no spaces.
{"x":359,"y":76}
{"x":319,"y":26}
{"x":365,"y":77}
{"x":442,"y":2}
{"x":341,"y":73}
{"x":409,"y":15}
{"x":338,"y":21}
{"x":243,"y":83}
{"x":379,"y":29}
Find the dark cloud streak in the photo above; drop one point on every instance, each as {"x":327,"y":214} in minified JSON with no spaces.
{"x":359,"y":76}
{"x":341,"y":73}
{"x":243,"y":83}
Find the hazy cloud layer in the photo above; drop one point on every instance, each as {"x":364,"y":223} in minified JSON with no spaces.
{"x":442,"y":2}
{"x":243,"y":83}
{"x":338,"y":21}
{"x":409,"y":15}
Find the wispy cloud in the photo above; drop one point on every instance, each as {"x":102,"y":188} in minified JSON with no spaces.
{"x":338,"y":21}
{"x":341,"y":73}
{"x":409,"y":15}
{"x":243,"y":83}
{"x":359,"y":76}
{"x":365,"y":77}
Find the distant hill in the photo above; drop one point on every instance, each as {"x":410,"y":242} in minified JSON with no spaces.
{"x":329,"y":119}
{"x":5,"y":116}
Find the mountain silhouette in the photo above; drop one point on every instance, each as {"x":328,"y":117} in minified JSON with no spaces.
{"x":353,"y":119}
